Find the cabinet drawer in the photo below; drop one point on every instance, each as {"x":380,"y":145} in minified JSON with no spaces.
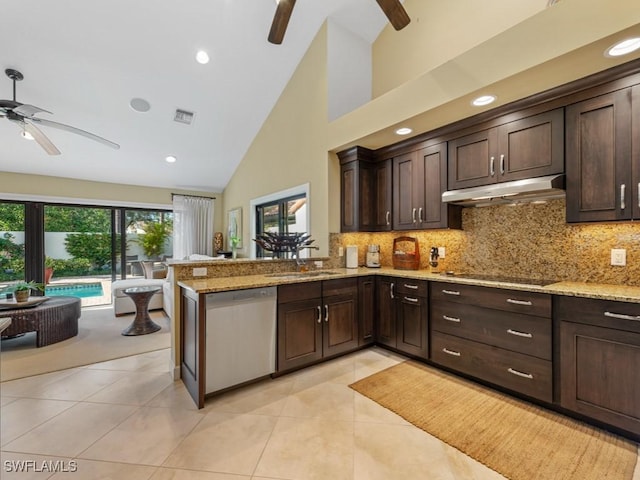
{"x":526,"y":334}
{"x":521,"y":373}
{"x":413,"y":288}
{"x":603,"y":313}
{"x":299,"y":291}
{"x":518,"y":301}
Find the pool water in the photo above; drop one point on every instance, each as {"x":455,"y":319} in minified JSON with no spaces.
{"x":82,"y":290}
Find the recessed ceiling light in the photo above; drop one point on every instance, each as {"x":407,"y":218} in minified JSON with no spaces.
{"x":403,"y":131}
{"x":483,"y":100}
{"x":202,"y":57}
{"x":622,"y":48}
{"x":170,"y":158}
{"x":140,"y":105}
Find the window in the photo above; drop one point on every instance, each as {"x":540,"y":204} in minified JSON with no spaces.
{"x":283,"y":212}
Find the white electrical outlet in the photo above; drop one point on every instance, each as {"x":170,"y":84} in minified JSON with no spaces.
{"x":200,"y":272}
{"x":318,"y":263}
{"x":441,"y":252}
{"x":618,"y":257}
{"x":341,"y":251}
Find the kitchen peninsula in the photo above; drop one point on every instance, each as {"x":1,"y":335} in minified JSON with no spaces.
{"x":583,"y":328}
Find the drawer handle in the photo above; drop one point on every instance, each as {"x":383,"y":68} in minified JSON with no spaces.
{"x":450,"y":292}
{"x":622,"y":316}
{"x":520,"y":374}
{"x":519,"y":334}
{"x":451,"y":352}
{"x":527,"y":303}
{"x":451,"y":319}
{"x":412,"y":287}
{"x":319,"y":314}
{"x":622,"y":204}
{"x":411,"y":299}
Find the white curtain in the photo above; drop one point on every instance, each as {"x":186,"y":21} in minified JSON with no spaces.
{"x":192,"y":226}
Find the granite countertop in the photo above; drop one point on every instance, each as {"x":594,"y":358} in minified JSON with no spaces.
{"x":577,"y":289}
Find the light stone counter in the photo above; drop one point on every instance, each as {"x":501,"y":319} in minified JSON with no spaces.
{"x":621,"y":293}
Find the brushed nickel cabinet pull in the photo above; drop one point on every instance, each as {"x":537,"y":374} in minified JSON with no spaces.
{"x":622,"y":189}
{"x":519,"y":334}
{"x":450,"y":292}
{"x":326,"y":313}
{"x":451,"y":352}
{"x":520,"y":374}
{"x":502,"y":164}
{"x":519,"y":302}
{"x":492,"y":169}
{"x":391,"y":290}
{"x":412,"y":287}
{"x":622,"y":316}
{"x":451,"y":319}
{"x":420,"y":214}
{"x":411,"y":299}
{"x":387,"y":217}
{"x":413,"y":215}
{"x":319,"y":314}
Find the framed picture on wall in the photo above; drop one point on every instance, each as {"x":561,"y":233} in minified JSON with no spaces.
{"x":235,"y":226}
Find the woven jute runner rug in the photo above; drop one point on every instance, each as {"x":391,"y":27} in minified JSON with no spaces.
{"x":517,"y":439}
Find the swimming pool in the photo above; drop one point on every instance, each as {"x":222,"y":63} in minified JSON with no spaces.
{"x":82,"y":290}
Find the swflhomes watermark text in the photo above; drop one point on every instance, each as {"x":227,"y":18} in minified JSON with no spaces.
{"x":52,"y":466}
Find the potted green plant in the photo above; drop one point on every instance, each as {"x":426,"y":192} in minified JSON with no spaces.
{"x":154,"y":238}
{"x":22,"y":290}
{"x":234,"y":241}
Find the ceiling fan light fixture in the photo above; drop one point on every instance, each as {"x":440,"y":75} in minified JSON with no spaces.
{"x":623,"y":48}
{"x":202,"y":57}
{"x":26,"y":135}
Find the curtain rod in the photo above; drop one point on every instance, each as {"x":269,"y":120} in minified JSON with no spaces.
{"x":194,"y":196}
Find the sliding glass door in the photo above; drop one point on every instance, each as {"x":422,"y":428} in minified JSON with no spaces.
{"x":12,"y":249}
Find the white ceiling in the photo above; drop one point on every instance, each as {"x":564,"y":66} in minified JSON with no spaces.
{"x":84,"y":61}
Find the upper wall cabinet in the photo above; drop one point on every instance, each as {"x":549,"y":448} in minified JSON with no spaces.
{"x":603,"y":157}
{"x":419,"y":178}
{"x":365,"y":187}
{"x":525,"y":148}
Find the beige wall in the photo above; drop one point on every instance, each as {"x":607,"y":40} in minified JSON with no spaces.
{"x":290,"y":149}
{"x":38,"y":187}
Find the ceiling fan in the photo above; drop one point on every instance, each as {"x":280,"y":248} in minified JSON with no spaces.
{"x":393,"y":9}
{"x":24,"y":116}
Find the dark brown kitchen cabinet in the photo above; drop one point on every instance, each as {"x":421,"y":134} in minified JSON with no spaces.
{"x":386,"y":311}
{"x":316,"y":320}
{"x":603,"y":157}
{"x":600,"y":360}
{"x":419,"y":179}
{"x":365,"y":187}
{"x":500,"y":336}
{"x":529,"y":147}
{"x":192,"y":343}
{"x":366,"y":310}
{"x":412,"y":318}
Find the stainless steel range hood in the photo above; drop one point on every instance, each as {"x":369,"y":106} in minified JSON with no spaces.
{"x":517,"y":191}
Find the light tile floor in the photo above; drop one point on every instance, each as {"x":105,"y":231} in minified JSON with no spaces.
{"x":127,"y":420}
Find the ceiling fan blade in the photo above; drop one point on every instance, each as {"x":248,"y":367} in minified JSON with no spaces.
{"x":395,"y":12}
{"x":40,"y":138}
{"x":29,"y":110}
{"x":68,"y":128}
{"x":281,"y":20}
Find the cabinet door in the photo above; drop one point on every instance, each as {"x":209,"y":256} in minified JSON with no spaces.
{"x":405,"y":211}
{"x":635,"y":152}
{"x":600,"y":374}
{"x":599,"y":158}
{"x":531,"y":147}
{"x":386,"y":312}
{"x":412,"y":325}
{"x":340,"y":324}
{"x":432,"y":182}
{"x":383,"y":195}
{"x":366,"y":310}
{"x":192,"y":340}
{"x":349,"y":188}
{"x":299,"y":333}
{"x":472,"y":160}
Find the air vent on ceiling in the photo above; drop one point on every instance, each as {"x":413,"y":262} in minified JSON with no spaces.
{"x":183,"y":116}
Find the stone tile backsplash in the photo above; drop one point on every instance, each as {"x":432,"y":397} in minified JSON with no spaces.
{"x":529,"y":241}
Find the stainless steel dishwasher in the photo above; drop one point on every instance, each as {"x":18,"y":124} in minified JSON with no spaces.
{"x":240,"y":336}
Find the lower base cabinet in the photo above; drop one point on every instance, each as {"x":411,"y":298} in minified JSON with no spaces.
{"x":600,"y":360}
{"x":316,"y":320}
